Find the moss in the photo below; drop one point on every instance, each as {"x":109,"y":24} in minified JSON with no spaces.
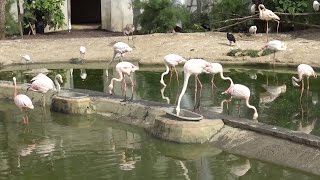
{"x":251,"y":53}
{"x":233,"y":52}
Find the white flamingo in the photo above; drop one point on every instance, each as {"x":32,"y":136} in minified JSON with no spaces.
{"x":42,"y":84}
{"x":129,"y":29}
{"x":241,"y":92}
{"x":267,"y":15}
{"x":215,"y":69}
{"x":22,"y":101}
{"x":119,"y":48}
{"x":27,"y":59}
{"x":124,"y":68}
{"x":253,"y":30}
{"x":170,"y":61}
{"x":192,"y":67}
{"x":303,"y":70}
{"x":275,"y":45}
{"x":316,"y":5}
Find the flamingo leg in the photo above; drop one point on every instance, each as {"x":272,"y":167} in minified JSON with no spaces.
{"x":274,"y":58}
{"x":43,"y":100}
{"x":195,"y":91}
{"x":170,"y":75}
{"x":132,"y":85}
{"x":114,"y":55}
{"x":212,"y":82}
{"x":308,"y":82}
{"x":278,"y":27}
{"x":177,"y":75}
{"x":302,"y":84}
{"x":239,"y":107}
{"x":267,"y":32}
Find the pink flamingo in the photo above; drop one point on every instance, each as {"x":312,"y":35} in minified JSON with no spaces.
{"x":192,"y":67}
{"x":267,"y":15}
{"x":303,"y":70}
{"x":42,"y":83}
{"x":124,"y":68}
{"x":22,"y":102}
{"x":170,"y":61}
{"x":119,"y":48}
{"x":239,"y":91}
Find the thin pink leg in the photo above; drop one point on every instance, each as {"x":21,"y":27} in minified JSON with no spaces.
{"x":176,"y":74}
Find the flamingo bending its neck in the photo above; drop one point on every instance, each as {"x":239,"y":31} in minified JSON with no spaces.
{"x":239,"y":91}
{"x":22,"y":101}
{"x":119,"y":48}
{"x":303,"y":70}
{"x":124,"y":68}
{"x":170,"y":61}
{"x":215,"y":69}
{"x":192,"y":67}
{"x":267,"y":15}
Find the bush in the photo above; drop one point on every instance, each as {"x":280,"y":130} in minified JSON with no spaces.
{"x":160,"y":15}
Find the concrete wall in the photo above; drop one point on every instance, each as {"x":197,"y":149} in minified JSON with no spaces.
{"x":116,"y":14}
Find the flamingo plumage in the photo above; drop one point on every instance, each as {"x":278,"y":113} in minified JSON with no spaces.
{"x":119,"y":48}
{"x":267,"y":15}
{"x":215,"y":69}
{"x":23,"y":102}
{"x":124,"y":68}
{"x":192,"y":67}
{"x":275,"y":45}
{"x":303,"y":70}
{"x":171,"y":61}
{"x":241,"y":92}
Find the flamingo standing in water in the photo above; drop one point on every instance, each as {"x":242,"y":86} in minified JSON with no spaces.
{"x":42,"y":83}
{"x":22,"y":101}
{"x":170,"y":61}
{"x":275,"y":45}
{"x":303,"y":70}
{"x":215,"y":69}
{"x":124,"y":68}
{"x":267,"y":15}
{"x":119,"y":48}
{"x":192,"y":67}
{"x":239,"y":91}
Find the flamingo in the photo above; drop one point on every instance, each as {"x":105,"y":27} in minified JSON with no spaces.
{"x":303,"y":70}
{"x":215,"y":69}
{"x":119,"y":48}
{"x":192,"y":67}
{"x":239,"y":91}
{"x":22,"y":101}
{"x":316,"y":5}
{"x":129,"y":29}
{"x":170,"y":61}
{"x":82,"y":50}
{"x":253,"y":30}
{"x":124,"y":68}
{"x":267,"y":15}
{"x":275,"y":45}
{"x":42,"y":83}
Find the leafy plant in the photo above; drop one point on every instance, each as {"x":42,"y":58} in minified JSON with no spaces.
{"x":160,"y":15}
{"x":48,"y":11}
{"x":290,"y":6}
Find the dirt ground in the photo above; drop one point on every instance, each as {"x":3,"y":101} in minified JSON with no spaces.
{"x":302,"y":47}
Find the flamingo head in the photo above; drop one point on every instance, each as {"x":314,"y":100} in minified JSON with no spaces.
{"x":135,"y":68}
{"x":59,"y":78}
{"x":110,"y":89}
{"x":261,"y":7}
{"x":31,"y":106}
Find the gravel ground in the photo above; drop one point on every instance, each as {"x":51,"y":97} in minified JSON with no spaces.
{"x":303,"y":47}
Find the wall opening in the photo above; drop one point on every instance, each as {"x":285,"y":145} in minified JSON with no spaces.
{"x":86,"y":12}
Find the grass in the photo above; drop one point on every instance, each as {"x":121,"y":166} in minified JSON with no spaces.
{"x":249,"y":52}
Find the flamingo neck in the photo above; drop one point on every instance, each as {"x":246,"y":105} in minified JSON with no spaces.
{"x":116,"y":79}
{"x":58,"y":87}
{"x":184,"y":88}
{"x":162,"y":75}
{"x":225,"y":78}
{"x":15,"y":89}
{"x":252,"y":107}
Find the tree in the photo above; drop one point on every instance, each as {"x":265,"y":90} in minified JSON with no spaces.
{"x":2,"y":18}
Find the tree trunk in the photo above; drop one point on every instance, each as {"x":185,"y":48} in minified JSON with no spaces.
{"x":2,"y":18}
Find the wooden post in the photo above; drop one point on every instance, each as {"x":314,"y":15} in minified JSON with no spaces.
{"x":20,"y":19}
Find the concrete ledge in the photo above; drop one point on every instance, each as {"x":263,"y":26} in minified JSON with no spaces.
{"x":275,"y":131}
{"x":185,"y":131}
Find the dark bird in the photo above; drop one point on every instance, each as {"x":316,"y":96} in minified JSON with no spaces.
{"x":231,"y":38}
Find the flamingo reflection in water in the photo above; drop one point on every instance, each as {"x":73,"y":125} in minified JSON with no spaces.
{"x":271,"y":93}
{"x":240,"y":168}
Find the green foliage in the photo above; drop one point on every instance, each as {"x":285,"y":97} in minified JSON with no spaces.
{"x":47,"y":10}
{"x":290,"y":6}
{"x":160,"y":15}
{"x":195,"y":21}
{"x":228,"y":9}
{"x":12,"y":26}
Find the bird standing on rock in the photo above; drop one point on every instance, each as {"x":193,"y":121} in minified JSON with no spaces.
{"x":170,"y":61}
{"x":231,"y":38}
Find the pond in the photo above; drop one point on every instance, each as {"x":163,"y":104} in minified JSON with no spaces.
{"x":272,"y":93}
{"x":61,"y":146}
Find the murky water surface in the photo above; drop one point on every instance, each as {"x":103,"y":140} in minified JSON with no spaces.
{"x":60,"y":146}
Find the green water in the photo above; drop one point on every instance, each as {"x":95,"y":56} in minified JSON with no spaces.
{"x":60,"y":146}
